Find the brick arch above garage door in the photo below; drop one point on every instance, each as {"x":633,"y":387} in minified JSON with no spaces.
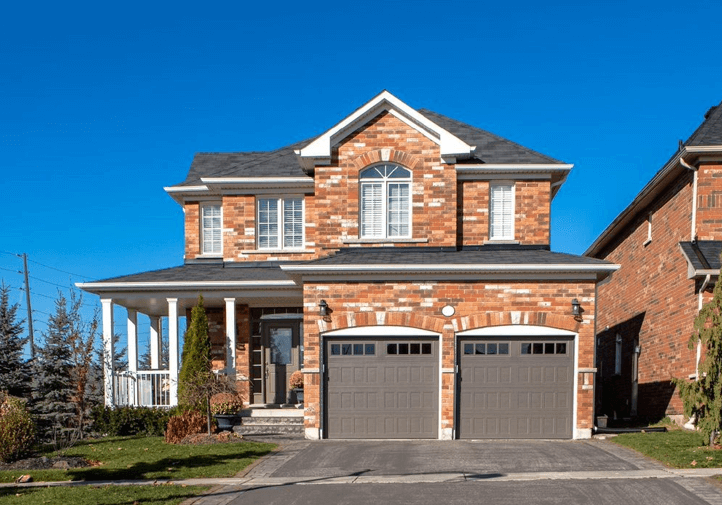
{"x":513,"y":318}
{"x":382,"y":318}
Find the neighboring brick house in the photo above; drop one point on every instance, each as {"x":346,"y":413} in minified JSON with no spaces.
{"x":668,"y":243}
{"x":401,"y":259}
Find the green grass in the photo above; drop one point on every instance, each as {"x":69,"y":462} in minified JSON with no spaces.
{"x":675,"y":448}
{"x":107,"y":495}
{"x":124,"y":458}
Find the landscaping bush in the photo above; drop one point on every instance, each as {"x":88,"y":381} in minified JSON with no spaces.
{"x":125,"y":421}
{"x":182,"y":425}
{"x":17,"y":430}
{"x":226,"y":403}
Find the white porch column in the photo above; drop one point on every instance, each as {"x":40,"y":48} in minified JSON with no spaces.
{"x":108,"y":351}
{"x":155,"y":335}
{"x":133,"y":355}
{"x":173,"y":349}
{"x":230,"y":336}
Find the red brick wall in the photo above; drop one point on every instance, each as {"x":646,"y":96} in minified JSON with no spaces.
{"x":709,"y":201}
{"x":532,"y":212}
{"x":192,"y":229}
{"x":419,"y":304}
{"x":649,"y":301}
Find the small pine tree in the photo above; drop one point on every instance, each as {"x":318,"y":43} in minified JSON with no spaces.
{"x":196,"y":360}
{"x":14,"y":371}
{"x":52,"y":388}
{"x":702,"y":398}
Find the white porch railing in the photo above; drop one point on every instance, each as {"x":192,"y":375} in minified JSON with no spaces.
{"x":145,"y":388}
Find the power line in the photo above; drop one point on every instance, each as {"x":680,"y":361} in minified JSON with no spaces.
{"x":13,"y":271}
{"x":11,"y":254}
{"x":48,"y":282}
{"x":58,"y":269}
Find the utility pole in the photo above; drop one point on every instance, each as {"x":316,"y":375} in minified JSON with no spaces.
{"x":30,"y":309}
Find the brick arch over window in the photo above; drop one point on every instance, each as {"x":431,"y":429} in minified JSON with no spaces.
{"x":387,"y":155}
{"x":381,"y":318}
{"x":488,"y":319}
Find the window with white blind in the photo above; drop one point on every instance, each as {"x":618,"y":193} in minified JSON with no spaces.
{"x":211,"y":224}
{"x":385,"y":202}
{"x":501,"y":212}
{"x":280,"y":223}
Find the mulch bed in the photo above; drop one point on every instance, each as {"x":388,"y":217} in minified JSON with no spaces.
{"x":44,"y":463}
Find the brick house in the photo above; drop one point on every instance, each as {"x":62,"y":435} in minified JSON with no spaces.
{"x":401,"y":260}
{"x":668,"y":243}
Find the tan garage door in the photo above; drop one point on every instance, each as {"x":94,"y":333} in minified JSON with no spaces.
{"x":515,"y":387}
{"x":382,"y":388}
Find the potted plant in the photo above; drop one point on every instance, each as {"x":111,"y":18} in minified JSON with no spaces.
{"x":295,"y":382}
{"x":225,"y":408}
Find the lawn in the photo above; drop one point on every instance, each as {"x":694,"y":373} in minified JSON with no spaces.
{"x":676,"y":448}
{"x":121,"y":458}
{"x":107,"y":495}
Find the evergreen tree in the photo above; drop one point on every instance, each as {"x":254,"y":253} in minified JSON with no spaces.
{"x":195,"y":370}
{"x":52,"y":388}
{"x":702,"y":398}
{"x":14,"y":372}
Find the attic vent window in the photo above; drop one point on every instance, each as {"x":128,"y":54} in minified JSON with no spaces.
{"x":385,"y":202}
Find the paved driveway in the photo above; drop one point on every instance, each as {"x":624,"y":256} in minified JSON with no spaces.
{"x":434,"y":472}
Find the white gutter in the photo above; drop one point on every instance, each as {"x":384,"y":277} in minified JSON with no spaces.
{"x":269,"y":181}
{"x":693,"y":233}
{"x":530,"y":267}
{"x":145,"y":286}
{"x":185,"y":189}
{"x":699,"y":307}
{"x":537,"y":167}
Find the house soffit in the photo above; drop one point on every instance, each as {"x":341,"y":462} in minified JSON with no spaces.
{"x":319,"y":151}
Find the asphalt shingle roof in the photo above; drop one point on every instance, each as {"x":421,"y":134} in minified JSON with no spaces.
{"x":208,"y":272}
{"x":282,"y":162}
{"x":703,"y":254}
{"x":709,"y":132}
{"x":482,"y":255}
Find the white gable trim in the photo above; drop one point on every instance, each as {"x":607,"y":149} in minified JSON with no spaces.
{"x":320,"y":149}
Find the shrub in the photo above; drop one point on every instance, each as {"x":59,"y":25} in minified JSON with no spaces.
{"x":226,"y":403}
{"x":182,"y":425}
{"x":17,"y":430}
{"x":124,"y":421}
{"x":296,"y":380}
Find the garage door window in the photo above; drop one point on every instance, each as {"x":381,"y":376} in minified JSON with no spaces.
{"x":353,"y":349}
{"x":488,"y":348}
{"x":528,"y":348}
{"x":408,"y":348}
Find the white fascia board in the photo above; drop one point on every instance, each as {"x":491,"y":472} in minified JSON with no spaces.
{"x":256,"y":182}
{"x":449,"y":144}
{"x":516,"y":167}
{"x":96,"y":287}
{"x":521,"y":330}
{"x":703,"y":149}
{"x":450,"y":268}
{"x":178,"y":193}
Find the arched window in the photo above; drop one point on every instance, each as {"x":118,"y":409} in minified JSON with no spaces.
{"x":385,"y":203}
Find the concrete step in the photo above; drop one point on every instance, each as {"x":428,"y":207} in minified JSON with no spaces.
{"x":275,"y":420}
{"x":270,"y":429}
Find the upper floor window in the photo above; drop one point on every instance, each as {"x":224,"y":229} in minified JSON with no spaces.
{"x":211,"y":224}
{"x":501,"y":212}
{"x":280,"y":223}
{"x":385,"y":202}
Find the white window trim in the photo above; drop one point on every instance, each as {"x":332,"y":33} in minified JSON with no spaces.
{"x":385,"y":212}
{"x":202,"y":234}
{"x":510,"y":237}
{"x":281,"y":199}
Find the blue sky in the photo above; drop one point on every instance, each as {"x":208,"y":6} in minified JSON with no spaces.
{"x":102,"y":105}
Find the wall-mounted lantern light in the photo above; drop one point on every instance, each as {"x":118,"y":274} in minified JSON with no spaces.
{"x":577,"y":310}
{"x":323,"y":308}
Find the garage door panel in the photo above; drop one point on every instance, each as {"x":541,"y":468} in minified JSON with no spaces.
{"x":396,"y":395}
{"x":515,"y":395}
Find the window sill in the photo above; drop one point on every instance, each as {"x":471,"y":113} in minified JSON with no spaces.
{"x":278,"y":251}
{"x":385,"y":241}
{"x":513,"y":242}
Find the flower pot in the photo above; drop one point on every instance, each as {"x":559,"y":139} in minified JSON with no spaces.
{"x":298,"y":393}
{"x":225,"y":422}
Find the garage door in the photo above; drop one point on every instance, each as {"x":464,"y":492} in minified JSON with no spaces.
{"x":515,"y":387}
{"x":382,"y":388}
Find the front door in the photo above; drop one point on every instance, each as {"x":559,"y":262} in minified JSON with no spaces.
{"x":282,"y":358}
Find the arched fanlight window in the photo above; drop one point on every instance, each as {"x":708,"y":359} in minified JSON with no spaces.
{"x":385,"y":203}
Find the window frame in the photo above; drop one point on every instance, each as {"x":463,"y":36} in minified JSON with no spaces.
{"x":385,"y":182}
{"x":280,"y":217}
{"x":204,"y":252}
{"x":492,"y":212}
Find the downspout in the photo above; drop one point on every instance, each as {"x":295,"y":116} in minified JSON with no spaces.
{"x":701,"y":301}
{"x":693,"y":234}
